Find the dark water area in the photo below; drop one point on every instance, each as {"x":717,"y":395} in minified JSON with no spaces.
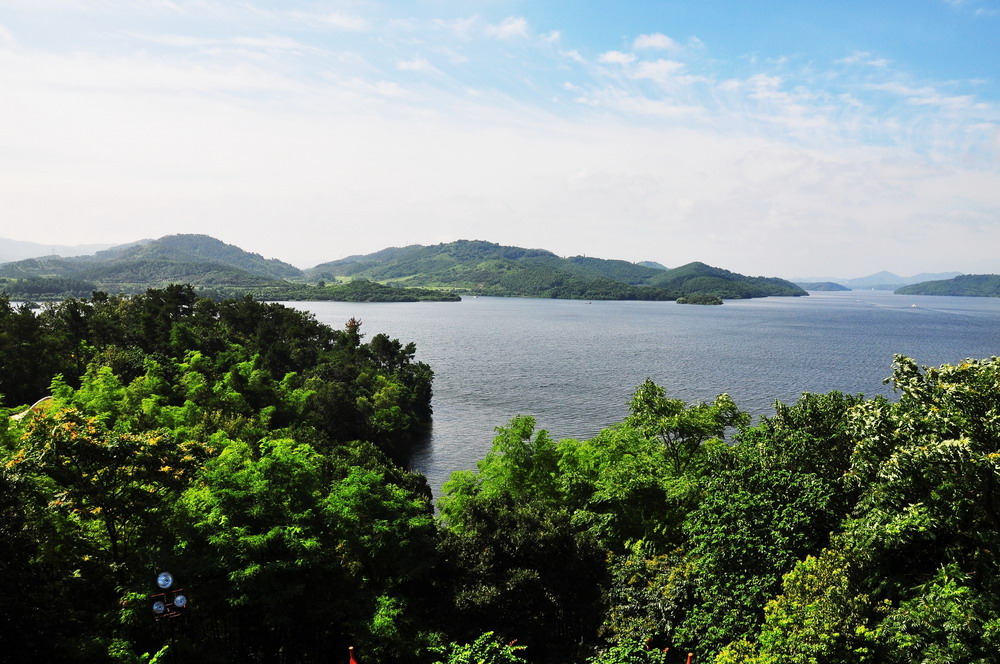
{"x":573,"y":365}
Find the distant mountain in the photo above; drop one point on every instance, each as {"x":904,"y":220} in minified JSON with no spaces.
{"x":15,"y":250}
{"x":880,"y":280}
{"x":821,"y":286}
{"x":486,"y":268}
{"x":652,"y":264}
{"x":974,"y":285}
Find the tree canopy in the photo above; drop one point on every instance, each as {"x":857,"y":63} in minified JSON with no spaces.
{"x":256,"y":454}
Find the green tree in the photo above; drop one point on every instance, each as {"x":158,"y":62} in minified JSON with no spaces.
{"x":484,"y":650}
{"x":518,"y":467}
{"x":682,"y":429}
{"x":820,"y":616}
{"x":523,"y":570}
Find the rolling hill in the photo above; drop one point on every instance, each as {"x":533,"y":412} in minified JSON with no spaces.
{"x":486,"y":268}
{"x":822,"y":286}
{"x":194,"y":259}
{"x":415,"y":272}
{"x":700,"y":279}
{"x":971,"y":285}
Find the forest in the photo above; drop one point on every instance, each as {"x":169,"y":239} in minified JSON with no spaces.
{"x":415,"y":273}
{"x":259,"y":456}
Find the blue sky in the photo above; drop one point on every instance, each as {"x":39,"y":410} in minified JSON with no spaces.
{"x":782,"y":138}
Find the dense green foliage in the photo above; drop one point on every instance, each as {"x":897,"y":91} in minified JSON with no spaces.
{"x":841,"y":529}
{"x":973,"y":285}
{"x":699,"y":298}
{"x":356,"y":290}
{"x":237,"y":443}
{"x":243,"y":446}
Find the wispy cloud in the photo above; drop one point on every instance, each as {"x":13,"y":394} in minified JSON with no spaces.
{"x":415,"y":64}
{"x":616,"y":58}
{"x":863,"y":58}
{"x":656,"y":40}
{"x":512,"y":27}
{"x":483,"y":125}
{"x":658,"y":70}
{"x":336,"y":20}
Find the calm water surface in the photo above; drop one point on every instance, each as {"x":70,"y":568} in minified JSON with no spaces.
{"x":573,"y":365}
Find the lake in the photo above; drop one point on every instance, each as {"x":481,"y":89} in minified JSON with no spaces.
{"x":574,"y":365}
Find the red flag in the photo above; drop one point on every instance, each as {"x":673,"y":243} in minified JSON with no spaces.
{"x":353,"y":658}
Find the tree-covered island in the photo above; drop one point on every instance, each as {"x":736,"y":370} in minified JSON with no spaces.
{"x":249,"y":450}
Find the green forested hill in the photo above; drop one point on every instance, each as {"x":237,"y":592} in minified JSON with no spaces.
{"x":440,"y":272}
{"x":196,"y":259}
{"x":205,"y":249}
{"x":698,"y":278}
{"x":215,"y":268}
{"x":975,"y":285}
{"x":486,"y":268}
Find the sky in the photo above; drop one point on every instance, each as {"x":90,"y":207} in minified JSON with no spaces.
{"x":775,"y":137}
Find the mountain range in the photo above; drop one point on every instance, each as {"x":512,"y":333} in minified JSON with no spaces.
{"x":878,"y":281}
{"x":15,"y":250}
{"x":441,"y":271}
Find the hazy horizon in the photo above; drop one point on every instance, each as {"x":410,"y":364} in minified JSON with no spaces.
{"x":781,"y":138}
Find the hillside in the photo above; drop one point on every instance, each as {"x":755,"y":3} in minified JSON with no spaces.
{"x":972,"y":285}
{"x":821,"y":286}
{"x":698,"y":279}
{"x":415,"y":272}
{"x":195,"y":259}
{"x":486,"y":268}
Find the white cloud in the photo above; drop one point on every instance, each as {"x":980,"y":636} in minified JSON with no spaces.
{"x":924,"y":96}
{"x":463,"y":28}
{"x":512,"y":27}
{"x":656,"y":40}
{"x":415,"y":64}
{"x":863,"y":58}
{"x":297,"y":141}
{"x":336,"y":20}
{"x":267,"y":43}
{"x":657,"y":70}
{"x":616,"y":58}
{"x":5,"y":34}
